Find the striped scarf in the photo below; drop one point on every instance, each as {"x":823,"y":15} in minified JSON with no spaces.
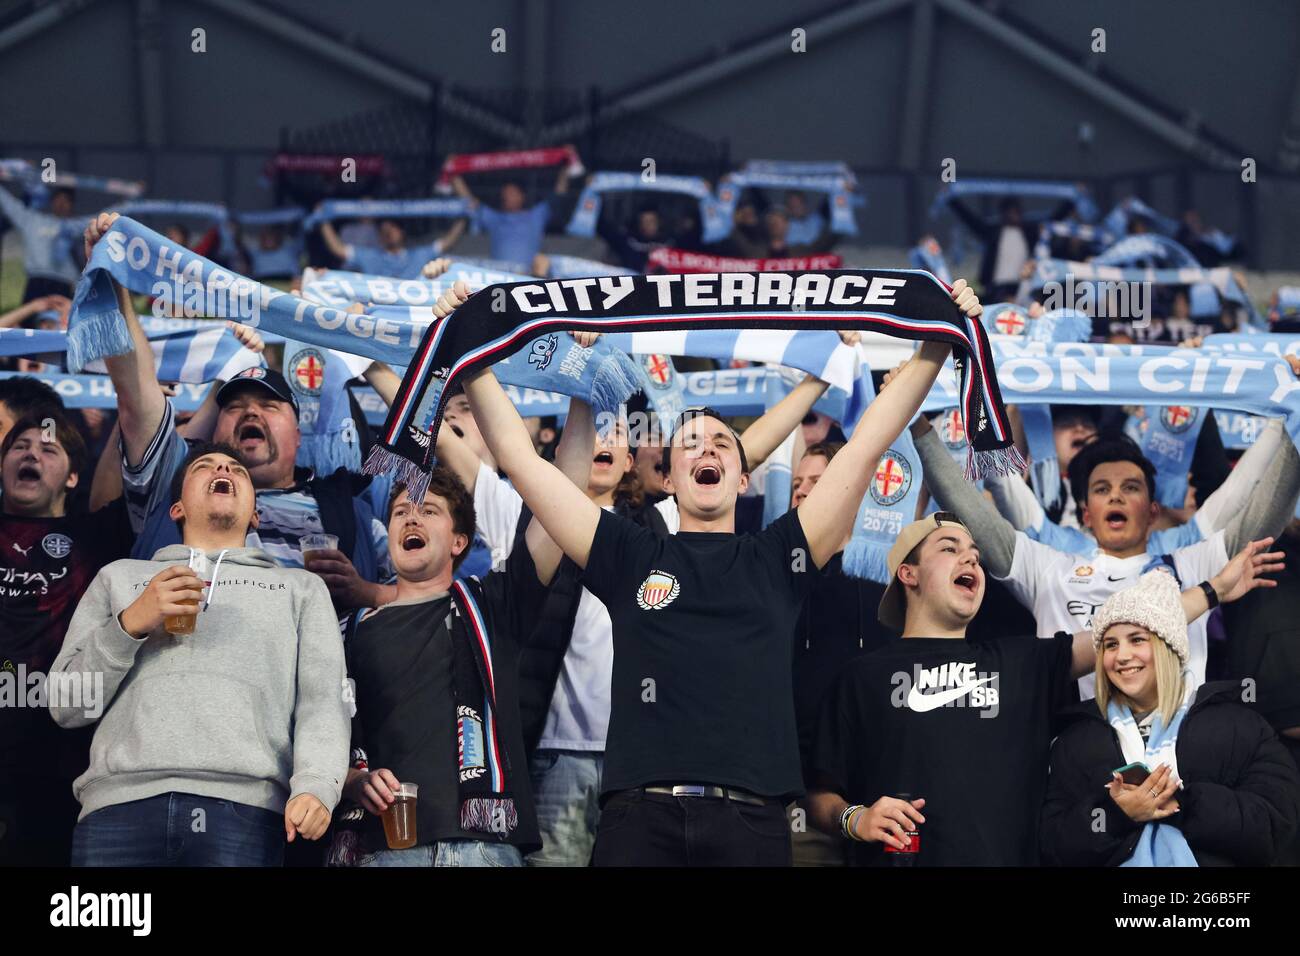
{"x":482,"y":763}
{"x":496,"y":322}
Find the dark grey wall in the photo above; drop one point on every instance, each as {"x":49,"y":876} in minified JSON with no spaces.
{"x":1230,"y":67}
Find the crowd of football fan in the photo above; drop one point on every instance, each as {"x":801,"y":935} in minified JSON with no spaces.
{"x":587,"y":649}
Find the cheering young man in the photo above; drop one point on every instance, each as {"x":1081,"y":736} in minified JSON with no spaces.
{"x":702,"y":753}
{"x":48,"y":558}
{"x":214,"y":746}
{"x":1114,"y":486}
{"x":942,"y":738}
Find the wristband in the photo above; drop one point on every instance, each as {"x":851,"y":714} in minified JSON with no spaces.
{"x":1211,"y":595}
{"x":846,"y":819}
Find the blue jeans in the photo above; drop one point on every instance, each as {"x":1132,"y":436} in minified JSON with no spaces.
{"x":566,"y":788}
{"x":448,"y":853}
{"x":179,"y":829}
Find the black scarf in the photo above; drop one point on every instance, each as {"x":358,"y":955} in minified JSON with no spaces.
{"x":502,"y":319}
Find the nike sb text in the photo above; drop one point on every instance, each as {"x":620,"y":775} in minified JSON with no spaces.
{"x":955,"y":684}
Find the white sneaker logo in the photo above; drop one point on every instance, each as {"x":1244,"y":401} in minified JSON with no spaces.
{"x":920,"y":702}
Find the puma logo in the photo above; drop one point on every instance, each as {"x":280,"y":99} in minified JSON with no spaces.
{"x":23,"y":551}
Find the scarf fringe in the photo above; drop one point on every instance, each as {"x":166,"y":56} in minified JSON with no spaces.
{"x":382,"y":460}
{"x":997,"y":461}
{"x":866,"y":560}
{"x":613,"y":384}
{"x":327,"y":453}
{"x":480,"y":813}
{"x":99,"y":336}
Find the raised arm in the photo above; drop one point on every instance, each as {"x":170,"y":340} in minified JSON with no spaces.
{"x":462,"y":190}
{"x":993,"y":533}
{"x":451,"y":236}
{"x":140,"y":403}
{"x":764,"y":435}
{"x":827,"y":514}
{"x":1265,"y":515}
{"x":564,"y":510}
{"x":334,"y":242}
{"x":1239,"y":577}
{"x":1230,"y":498}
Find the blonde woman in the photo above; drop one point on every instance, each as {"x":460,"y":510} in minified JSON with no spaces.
{"x":1155,"y":772}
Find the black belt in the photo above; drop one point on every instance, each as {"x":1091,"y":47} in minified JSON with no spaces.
{"x":715,"y":793}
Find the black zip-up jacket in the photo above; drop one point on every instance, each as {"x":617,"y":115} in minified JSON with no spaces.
{"x":1240,"y":798}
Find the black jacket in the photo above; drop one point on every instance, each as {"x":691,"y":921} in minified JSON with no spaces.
{"x":1240,"y":799}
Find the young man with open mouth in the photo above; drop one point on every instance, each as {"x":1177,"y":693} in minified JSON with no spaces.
{"x":702,"y":752}
{"x":1114,"y":487}
{"x":934,"y":749}
{"x":48,"y":558}
{"x":215,"y":746}
{"x":259,"y":417}
{"x":437,"y":691}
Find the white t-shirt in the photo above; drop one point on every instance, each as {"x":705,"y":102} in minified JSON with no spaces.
{"x":1065,"y":590}
{"x":578,"y":718}
{"x":668,"y":511}
{"x":1013,"y":252}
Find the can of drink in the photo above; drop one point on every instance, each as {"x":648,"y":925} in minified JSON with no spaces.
{"x":905,"y":857}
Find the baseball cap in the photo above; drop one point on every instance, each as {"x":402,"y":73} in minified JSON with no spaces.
{"x":893,"y":605}
{"x":267,"y":378}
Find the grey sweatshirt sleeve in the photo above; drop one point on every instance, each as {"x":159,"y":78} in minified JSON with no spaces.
{"x":322,"y":729}
{"x":96,"y":657}
{"x":1230,"y":497}
{"x":1015,"y":501}
{"x":993,"y":534}
{"x":1265,"y":515}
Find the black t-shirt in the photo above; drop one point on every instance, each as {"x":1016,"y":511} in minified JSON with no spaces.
{"x":400,"y":658}
{"x":703,"y":628}
{"x":979,"y":757}
{"x":837,"y":624}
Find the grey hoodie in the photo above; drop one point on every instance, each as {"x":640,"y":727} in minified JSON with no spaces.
{"x":250,"y":708}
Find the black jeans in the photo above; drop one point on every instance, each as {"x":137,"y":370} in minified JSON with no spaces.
{"x":652,"y":829}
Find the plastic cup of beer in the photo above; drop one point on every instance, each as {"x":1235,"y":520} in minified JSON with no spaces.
{"x":317,"y":542}
{"x":182,"y":623}
{"x":399,"y":818}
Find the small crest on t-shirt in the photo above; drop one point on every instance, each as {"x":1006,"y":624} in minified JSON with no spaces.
{"x":57,"y":545}
{"x":657,"y":591}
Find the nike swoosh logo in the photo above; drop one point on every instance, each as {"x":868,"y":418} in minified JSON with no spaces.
{"x":1113,"y":580}
{"x":920,"y":702}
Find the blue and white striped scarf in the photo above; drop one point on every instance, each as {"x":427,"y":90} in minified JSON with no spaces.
{"x":136,"y":257}
{"x":441,"y":208}
{"x":715,"y":223}
{"x":1160,"y":844}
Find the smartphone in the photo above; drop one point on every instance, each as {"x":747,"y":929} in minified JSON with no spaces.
{"x":1133,"y":773}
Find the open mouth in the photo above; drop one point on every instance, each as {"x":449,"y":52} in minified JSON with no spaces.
{"x":1130,"y":671}
{"x":251,"y":432}
{"x":1116,"y":520}
{"x":967,"y":583}
{"x":456,"y":429}
{"x":708,"y":475}
{"x":603,"y":458}
{"x":221,"y":486}
{"x":412,"y":541}
{"x":28,"y":473}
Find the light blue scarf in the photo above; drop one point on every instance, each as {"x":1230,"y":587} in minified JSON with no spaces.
{"x":715,"y":223}
{"x":136,"y":257}
{"x":1160,"y":844}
